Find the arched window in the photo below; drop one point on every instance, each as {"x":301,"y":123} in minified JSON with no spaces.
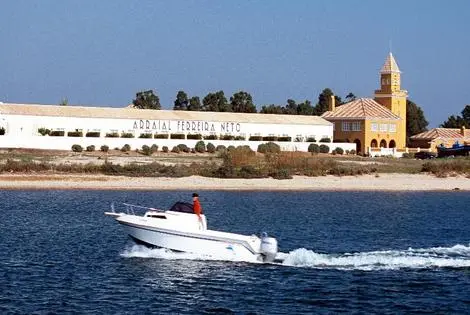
{"x":373,"y":143}
{"x":392,"y":144}
{"x":383,"y":143}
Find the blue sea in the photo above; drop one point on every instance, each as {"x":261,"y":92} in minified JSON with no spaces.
{"x":346,"y":252}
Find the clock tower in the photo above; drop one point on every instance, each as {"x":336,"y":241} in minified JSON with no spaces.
{"x":390,"y":93}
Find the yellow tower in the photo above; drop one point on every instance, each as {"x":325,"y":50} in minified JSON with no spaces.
{"x":392,"y":96}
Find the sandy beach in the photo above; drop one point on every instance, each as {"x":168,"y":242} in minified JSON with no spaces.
{"x":380,"y":182}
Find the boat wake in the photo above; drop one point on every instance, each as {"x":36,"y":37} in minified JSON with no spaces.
{"x":457,"y":256}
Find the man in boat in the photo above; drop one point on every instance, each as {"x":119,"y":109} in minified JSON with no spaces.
{"x":196,"y":205}
{"x":198,"y":210}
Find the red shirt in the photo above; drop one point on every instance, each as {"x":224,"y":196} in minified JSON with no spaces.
{"x":197,"y":206}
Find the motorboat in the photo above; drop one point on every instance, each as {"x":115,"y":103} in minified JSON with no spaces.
{"x":457,"y":149}
{"x":179,"y":229}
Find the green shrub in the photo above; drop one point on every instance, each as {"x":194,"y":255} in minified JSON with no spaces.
{"x":284,"y":139}
{"x":126,"y":148}
{"x":146,"y":150}
{"x":93,"y":134}
{"x":112,"y":135}
{"x":160,"y":136}
{"x":221,"y":148}
{"x":200,"y":147}
{"x":249,"y":171}
{"x":448,"y":167}
{"x":255,"y":138}
{"x":339,"y":150}
{"x":90,"y":148}
{"x":104,"y":148}
{"x":154,"y":148}
{"x":324,"y":148}
{"x":145,"y":136}
{"x":210,"y":137}
{"x":281,"y":174}
{"x":210,"y":148}
{"x":57,"y":133}
{"x":74,"y":134}
{"x":183,"y":148}
{"x":311,"y":139}
{"x":77,"y":148}
{"x":352,"y":151}
{"x":242,"y":151}
{"x":242,"y":138}
{"x":269,"y":147}
{"x":175,"y":149}
{"x":165,"y":149}
{"x":194,"y":137}
{"x":127,"y":135}
{"x":325,"y":139}
{"x":177,"y":136}
{"x":44,"y":131}
{"x":314,"y":148}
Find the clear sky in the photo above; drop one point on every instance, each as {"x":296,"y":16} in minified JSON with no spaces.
{"x":100,"y":53}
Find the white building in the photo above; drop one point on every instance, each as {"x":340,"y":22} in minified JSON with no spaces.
{"x":60,"y":127}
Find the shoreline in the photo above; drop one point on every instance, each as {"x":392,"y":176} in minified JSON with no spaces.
{"x":379,"y":182}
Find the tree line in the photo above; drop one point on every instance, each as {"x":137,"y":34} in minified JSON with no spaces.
{"x":458,"y":121}
{"x":242,"y":102}
{"x":239,"y":102}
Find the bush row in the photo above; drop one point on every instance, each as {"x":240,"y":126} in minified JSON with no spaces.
{"x":201,"y":147}
{"x":58,"y":133}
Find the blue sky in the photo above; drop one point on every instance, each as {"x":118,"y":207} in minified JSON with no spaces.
{"x":100,"y":53}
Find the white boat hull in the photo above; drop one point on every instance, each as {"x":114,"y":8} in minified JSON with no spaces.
{"x":208,"y":243}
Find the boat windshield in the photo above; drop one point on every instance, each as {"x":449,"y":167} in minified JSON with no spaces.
{"x":182,"y":207}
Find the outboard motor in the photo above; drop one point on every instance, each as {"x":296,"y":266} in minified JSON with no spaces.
{"x":268,"y":247}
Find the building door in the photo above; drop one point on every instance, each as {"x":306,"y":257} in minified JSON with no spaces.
{"x":392,"y":144}
{"x":383,"y":143}
{"x":358,"y":146}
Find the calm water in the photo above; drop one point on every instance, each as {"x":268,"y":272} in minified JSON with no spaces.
{"x":346,"y":252}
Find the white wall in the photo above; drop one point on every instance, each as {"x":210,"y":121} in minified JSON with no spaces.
{"x":378,"y":152}
{"x":28,"y":125}
{"x":22,"y":132}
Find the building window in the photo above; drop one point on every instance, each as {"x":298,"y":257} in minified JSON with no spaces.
{"x":383,"y":127}
{"x":374,"y":127}
{"x":356,"y":126}
{"x":392,"y":128}
{"x":346,"y":126}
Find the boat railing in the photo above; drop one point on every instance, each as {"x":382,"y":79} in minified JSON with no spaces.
{"x":131,"y":208}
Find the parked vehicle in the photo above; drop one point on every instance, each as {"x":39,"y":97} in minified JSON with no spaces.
{"x":424,"y":155}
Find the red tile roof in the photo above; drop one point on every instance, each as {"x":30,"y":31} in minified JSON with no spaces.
{"x":443,"y":133}
{"x":362,"y":108}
